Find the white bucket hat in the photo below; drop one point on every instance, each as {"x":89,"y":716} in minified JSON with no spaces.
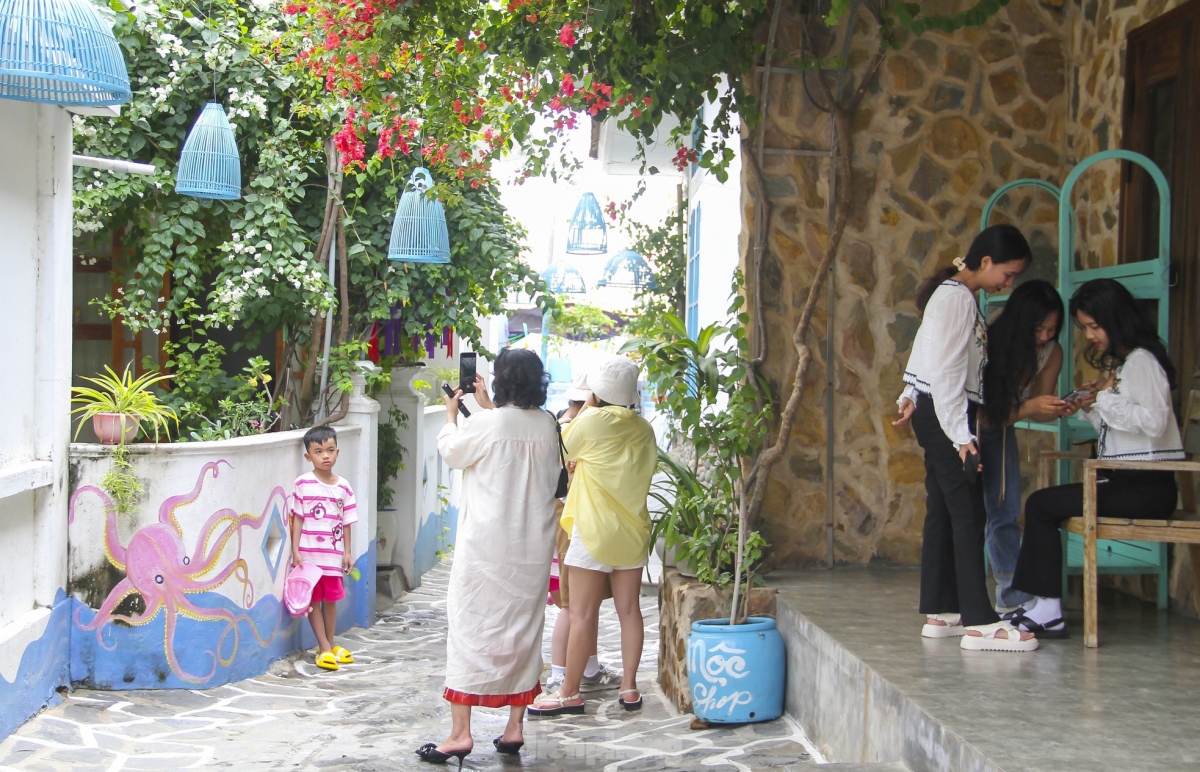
{"x":579,"y":391}
{"x":615,"y":381}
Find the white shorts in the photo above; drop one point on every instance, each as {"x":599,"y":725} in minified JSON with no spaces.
{"x":578,"y":557}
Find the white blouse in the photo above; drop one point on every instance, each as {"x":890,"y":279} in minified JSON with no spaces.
{"x":1134,"y":417}
{"x":948,"y":357}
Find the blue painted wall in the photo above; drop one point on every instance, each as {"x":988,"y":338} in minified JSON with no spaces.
{"x":127,"y":657}
{"x":430,"y":539}
{"x":44,"y":668}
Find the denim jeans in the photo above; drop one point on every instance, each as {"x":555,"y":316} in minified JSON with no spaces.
{"x":1002,"y":533}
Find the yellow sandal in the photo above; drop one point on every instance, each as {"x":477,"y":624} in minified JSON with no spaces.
{"x":327,"y":661}
{"x":343,"y":655}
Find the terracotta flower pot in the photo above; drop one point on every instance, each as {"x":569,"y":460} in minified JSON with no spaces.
{"x":110,"y":427}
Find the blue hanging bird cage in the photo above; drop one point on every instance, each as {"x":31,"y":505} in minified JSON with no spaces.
{"x":209,"y":166}
{"x":563,"y":279}
{"x":59,"y":52}
{"x":419,"y":232}
{"x":588,"y":234}
{"x":627,"y":269}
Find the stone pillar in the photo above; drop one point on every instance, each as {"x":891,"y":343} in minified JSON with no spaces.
{"x":363,"y":412}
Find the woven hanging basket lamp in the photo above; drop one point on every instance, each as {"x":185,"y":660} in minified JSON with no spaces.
{"x":588,"y":234}
{"x":627,"y":269}
{"x":563,"y":279}
{"x":59,"y":52}
{"x":419,"y":232}
{"x":209,"y":166}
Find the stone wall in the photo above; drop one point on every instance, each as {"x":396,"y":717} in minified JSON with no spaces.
{"x":950,"y":119}
{"x":1098,"y":29}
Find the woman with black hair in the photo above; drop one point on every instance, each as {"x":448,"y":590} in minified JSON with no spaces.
{"x":1020,"y":381}
{"x":495,"y":602}
{"x":1132,"y":413}
{"x":945,"y":388}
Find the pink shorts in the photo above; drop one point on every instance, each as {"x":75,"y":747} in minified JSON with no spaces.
{"x":329,"y":589}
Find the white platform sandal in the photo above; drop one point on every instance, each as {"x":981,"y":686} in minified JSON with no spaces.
{"x":951,"y":629}
{"x":988,"y":639}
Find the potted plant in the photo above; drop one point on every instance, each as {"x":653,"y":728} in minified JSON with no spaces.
{"x":117,"y":408}
{"x":716,"y":404}
{"x":120,"y":404}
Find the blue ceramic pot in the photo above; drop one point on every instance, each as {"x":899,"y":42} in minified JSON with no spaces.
{"x":736,"y":672}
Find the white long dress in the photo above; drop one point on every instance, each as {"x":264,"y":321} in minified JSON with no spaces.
{"x":495,"y":604}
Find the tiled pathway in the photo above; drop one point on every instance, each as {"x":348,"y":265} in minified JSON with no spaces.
{"x":373,"y":714}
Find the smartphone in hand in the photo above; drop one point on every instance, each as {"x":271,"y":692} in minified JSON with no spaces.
{"x":1077,"y":395}
{"x":466,"y":372}
{"x":971,"y":467}
{"x":461,"y":407}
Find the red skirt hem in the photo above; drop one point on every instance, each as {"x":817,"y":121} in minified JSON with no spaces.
{"x":492,"y":700}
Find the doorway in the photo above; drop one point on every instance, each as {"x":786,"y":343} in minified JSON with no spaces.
{"x":1162,"y":121}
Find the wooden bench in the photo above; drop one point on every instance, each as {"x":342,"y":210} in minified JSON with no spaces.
{"x":1183,"y":527}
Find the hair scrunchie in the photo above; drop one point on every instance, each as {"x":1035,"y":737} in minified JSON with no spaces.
{"x":960,"y":263}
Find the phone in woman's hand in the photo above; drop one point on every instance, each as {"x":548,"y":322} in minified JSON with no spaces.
{"x":1077,"y":395}
{"x":971,"y":467}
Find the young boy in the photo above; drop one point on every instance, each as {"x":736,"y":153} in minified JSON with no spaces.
{"x":323,"y":511}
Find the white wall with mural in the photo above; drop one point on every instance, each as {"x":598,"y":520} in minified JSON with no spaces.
{"x":187,"y":591}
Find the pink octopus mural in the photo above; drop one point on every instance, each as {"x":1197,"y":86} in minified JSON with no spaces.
{"x":159,"y":567}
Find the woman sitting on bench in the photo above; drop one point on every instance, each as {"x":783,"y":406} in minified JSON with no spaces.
{"x":1133,"y":415}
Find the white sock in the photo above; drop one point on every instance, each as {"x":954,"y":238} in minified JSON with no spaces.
{"x":558,"y":671}
{"x":1045,"y":611}
{"x":593,"y":666}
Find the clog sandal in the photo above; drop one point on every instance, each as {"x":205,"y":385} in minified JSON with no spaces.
{"x":556,"y":705}
{"x":326,"y":661}
{"x":343,"y":656}
{"x":952,"y":628}
{"x":988,"y":639}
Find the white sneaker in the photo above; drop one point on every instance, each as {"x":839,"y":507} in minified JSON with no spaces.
{"x":601,"y":680}
{"x":552,"y":683}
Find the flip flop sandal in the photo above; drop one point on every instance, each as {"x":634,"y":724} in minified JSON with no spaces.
{"x":952,"y":629}
{"x":988,"y":640}
{"x":559,"y":709}
{"x":326,"y":661}
{"x":1055,"y":629}
{"x":636,"y":705}
{"x":343,"y":655}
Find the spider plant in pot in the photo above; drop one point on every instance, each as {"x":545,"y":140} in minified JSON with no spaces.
{"x":120,"y":404}
{"x":117,"y":408}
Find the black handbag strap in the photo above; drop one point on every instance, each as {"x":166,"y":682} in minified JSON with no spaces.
{"x":562,"y":449}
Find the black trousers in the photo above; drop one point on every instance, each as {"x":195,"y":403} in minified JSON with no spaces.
{"x":952,"y":578}
{"x":1119,"y":493}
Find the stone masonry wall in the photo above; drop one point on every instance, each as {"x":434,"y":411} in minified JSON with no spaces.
{"x":949,"y":120}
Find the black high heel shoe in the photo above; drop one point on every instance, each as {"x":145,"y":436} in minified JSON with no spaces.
{"x":511,"y":749}
{"x":429,"y":752}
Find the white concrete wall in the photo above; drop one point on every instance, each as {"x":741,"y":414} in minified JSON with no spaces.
{"x":720,"y":228}
{"x":35,"y":253}
{"x":207,"y":547}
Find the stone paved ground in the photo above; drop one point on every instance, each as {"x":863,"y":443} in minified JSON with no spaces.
{"x":373,"y":714}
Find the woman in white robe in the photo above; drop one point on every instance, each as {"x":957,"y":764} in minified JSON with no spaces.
{"x":496,"y":600}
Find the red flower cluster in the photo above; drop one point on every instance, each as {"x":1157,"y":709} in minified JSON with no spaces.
{"x":566,"y":35}
{"x":397,"y":136}
{"x":683,"y":157}
{"x":348,"y":141}
{"x":568,"y":85}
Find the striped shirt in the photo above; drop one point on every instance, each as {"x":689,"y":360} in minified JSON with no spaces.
{"x":325,"y":510}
